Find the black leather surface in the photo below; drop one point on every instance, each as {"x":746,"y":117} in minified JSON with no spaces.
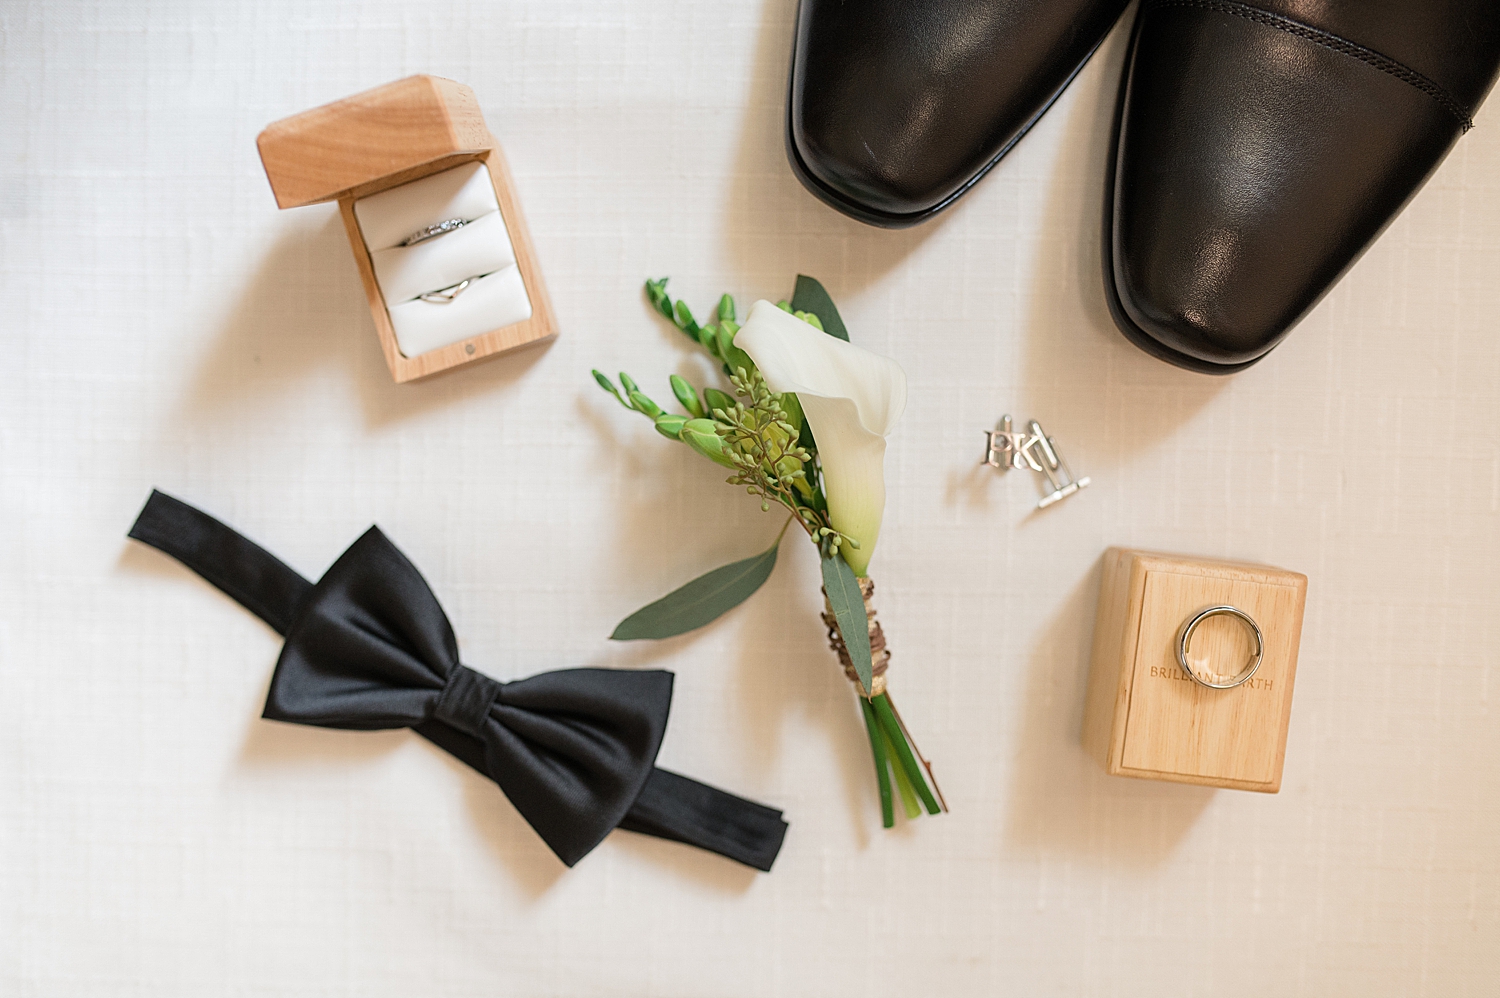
{"x":1257,"y":157}
{"x":896,"y":107}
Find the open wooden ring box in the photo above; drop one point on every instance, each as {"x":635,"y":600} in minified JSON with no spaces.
{"x":432,"y":217}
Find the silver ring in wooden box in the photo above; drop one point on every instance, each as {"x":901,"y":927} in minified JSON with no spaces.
{"x":445,"y":296}
{"x":1185,"y":639}
{"x":433,"y":231}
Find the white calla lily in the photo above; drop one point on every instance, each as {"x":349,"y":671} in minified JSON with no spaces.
{"x":851,"y":398}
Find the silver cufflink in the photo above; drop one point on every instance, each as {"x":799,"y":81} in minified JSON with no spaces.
{"x":1006,"y":449}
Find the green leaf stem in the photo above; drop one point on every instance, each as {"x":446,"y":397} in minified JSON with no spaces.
{"x":908,"y":762}
{"x":882,"y":763}
{"x":903,"y":783}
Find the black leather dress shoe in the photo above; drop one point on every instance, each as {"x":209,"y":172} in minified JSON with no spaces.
{"x":898,"y":107}
{"x":1261,"y":147}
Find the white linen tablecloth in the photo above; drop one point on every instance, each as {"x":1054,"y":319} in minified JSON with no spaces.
{"x":163,"y":324}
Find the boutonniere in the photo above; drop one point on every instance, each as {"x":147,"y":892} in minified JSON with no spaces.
{"x":801,"y":424}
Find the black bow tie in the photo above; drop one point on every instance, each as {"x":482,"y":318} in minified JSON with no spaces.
{"x":368,"y":647}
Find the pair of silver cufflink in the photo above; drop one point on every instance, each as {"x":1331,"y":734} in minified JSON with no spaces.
{"x":1032,"y":448}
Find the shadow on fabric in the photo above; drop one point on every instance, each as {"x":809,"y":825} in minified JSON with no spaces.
{"x":304,"y":311}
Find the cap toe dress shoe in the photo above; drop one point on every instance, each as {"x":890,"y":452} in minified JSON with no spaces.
{"x":1261,"y":147}
{"x":897,"y":107}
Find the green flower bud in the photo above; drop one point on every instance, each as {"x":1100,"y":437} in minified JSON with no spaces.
{"x":609,"y":386}
{"x":811,"y":319}
{"x":657,"y":292}
{"x":726,"y":309}
{"x":685,"y":320}
{"x":644,"y":404}
{"x":725,"y":341}
{"x":788,"y":467}
{"x":629,"y":383}
{"x":670,"y":426}
{"x":700,"y":435}
{"x":686,"y":396}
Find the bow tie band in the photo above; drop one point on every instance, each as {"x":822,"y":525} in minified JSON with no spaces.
{"x":368,"y":647}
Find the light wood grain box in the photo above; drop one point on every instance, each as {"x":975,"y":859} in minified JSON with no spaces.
{"x":386,"y":137}
{"x":1145,"y":717}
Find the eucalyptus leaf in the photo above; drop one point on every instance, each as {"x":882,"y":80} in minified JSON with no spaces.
{"x":701,"y":601}
{"x":848,"y":605}
{"x":810,"y":296}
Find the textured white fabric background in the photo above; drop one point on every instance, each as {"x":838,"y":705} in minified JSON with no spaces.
{"x":164,"y":325}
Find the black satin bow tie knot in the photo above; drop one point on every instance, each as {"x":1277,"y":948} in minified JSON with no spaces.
{"x":465,"y":701}
{"x":368,"y":647}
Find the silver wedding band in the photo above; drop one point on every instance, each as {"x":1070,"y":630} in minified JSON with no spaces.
{"x":1185,"y":640}
{"x":433,"y":231}
{"x":446,"y":295}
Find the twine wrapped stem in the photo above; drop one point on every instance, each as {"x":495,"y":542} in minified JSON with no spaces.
{"x":880,"y":655}
{"x":881,"y":716}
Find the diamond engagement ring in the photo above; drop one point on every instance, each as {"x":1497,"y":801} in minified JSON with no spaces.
{"x":433,"y":231}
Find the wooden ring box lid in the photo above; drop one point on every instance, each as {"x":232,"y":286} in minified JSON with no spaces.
{"x":386,"y":137}
{"x":1145,"y":717}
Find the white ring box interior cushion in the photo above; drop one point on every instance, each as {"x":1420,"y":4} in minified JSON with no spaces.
{"x":390,"y":216}
{"x":495,"y":299}
{"x":480,"y":251}
{"x":480,"y":247}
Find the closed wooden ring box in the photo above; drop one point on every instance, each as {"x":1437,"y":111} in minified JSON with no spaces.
{"x":386,"y":137}
{"x":1145,"y":717}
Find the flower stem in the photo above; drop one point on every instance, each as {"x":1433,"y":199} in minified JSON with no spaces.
{"x":916,"y":749}
{"x":903,"y":784}
{"x":877,"y":748}
{"x":892,"y":728}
